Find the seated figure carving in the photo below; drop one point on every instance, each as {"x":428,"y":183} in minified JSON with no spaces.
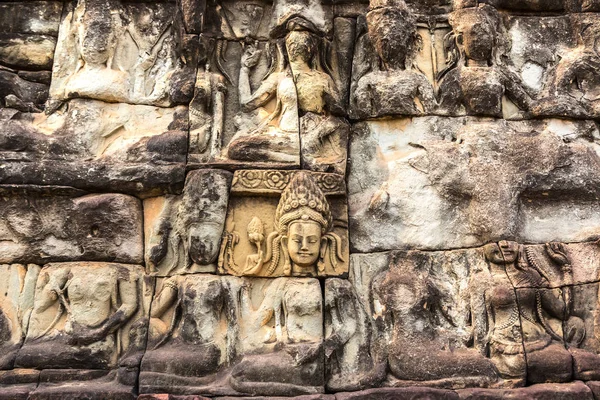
{"x":525,"y":319}
{"x":82,"y":318}
{"x":186,"y":343}
{"x":409,"y":310}
{"x":264,"y":134}
{"x":290,"y":360}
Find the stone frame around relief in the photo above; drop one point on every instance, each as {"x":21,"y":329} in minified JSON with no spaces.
{"x":253,"y":201}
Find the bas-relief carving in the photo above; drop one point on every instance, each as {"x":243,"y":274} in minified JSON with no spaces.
{"x":27,"y":43}
{"x":386,"y":79}
{"x":18,"y":285}
{"x":412,"y":324}
{"x":102,"y":117}
{"x":88,"y":317}
{"x":533,"y":333}
{"x":572,"y":90}
{"x":477,"y":79}
{"x":498,"y":316}
{"x":93,"y":145}
{"x":183,"y":233}
{"x":282,"y":101}
{"x":38,"y":228}
{"x":302,"y":231}
{"x":124,"y":52}
{"x":465,"y":169}
{"x":271,"y":92}
{"x":477,"y":62}
{"x":244,"y":329}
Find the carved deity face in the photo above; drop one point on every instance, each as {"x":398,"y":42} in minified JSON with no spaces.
{"x":477,"y":40}
{"x":300,"y":46}
{"x":392,"y":34}
{"x":505,"y":252}
{"x":304,"y":243}
{"x":203,"y":242}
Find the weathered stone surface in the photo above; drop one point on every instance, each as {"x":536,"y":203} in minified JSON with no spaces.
{"x":27,"y":41}
{"x":386,"y":80}
{"x":141,"y":149}
{"x":33,"y":17}
{"x":37,"y":228}
{"x":543,"y":391}
{"x":400,"y":315}
{"x":458,"y":258}
{"x":399,"y":393}
{"x":17,"y":384}
{"x":477,"y":317}
{"x":183,"y":233}
{"x":595,"y":387}
{"x":434,"y":183}
{"x":169,"y":397}
{"x":86,"y":315}
{"x":282,"y":223}
{"x":218,"y":335}
{"x":18,"y":285}
{"x":137,"y":57}
{"x":27,"y":52}
{"x":306,"y":397}
{"x":276,"y":101}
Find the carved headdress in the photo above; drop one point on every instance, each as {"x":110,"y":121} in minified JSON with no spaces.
{"x":302,"y":200}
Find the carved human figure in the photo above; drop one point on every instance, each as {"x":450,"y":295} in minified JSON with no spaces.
{"x":476,"y":79}
{"x":121,"y":55}
{"x":523,"y":343}
{"x":349,"y":364}
{"x":289,"y":321}
{"x":187,"y":235}
{"x":303,"y":234}
{"x":207,"y":111}
{"x":575,"y":87}
{"x":17,"y":286}
{"x":186,"y":335}
{"x":301,"y":87}
{"x":408,"y":309}
{"x":393,"y":85}
{"x":323,"y":133}
{"x":267,"y":135}
{"x":77,"y":313}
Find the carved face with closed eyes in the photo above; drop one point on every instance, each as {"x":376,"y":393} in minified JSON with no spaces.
{"x":304,"y":243}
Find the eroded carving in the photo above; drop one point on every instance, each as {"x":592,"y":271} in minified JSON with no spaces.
{"x":476,"y":78}
{"x":18,"y":284}
{"x":87,"y":316}
{"x":183,"y":232}
{"x":38,"y":228}
{"x":390,"y":83}
{"x":125,"y":53}
{"x":245,"y":330}
{"x":531,"y":332}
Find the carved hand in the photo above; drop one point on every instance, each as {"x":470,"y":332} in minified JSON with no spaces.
{"x":83,"y":336}
{"x":332,"y":343}
{"x":557,"y":252}
{"x":251,"y":56}
{"x":57,"y":280}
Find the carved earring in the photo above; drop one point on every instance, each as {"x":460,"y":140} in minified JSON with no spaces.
{"x":322,"y":254}
{"x":287,"y":266}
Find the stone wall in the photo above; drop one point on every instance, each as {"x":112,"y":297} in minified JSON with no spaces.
{"x":330,"y":199}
